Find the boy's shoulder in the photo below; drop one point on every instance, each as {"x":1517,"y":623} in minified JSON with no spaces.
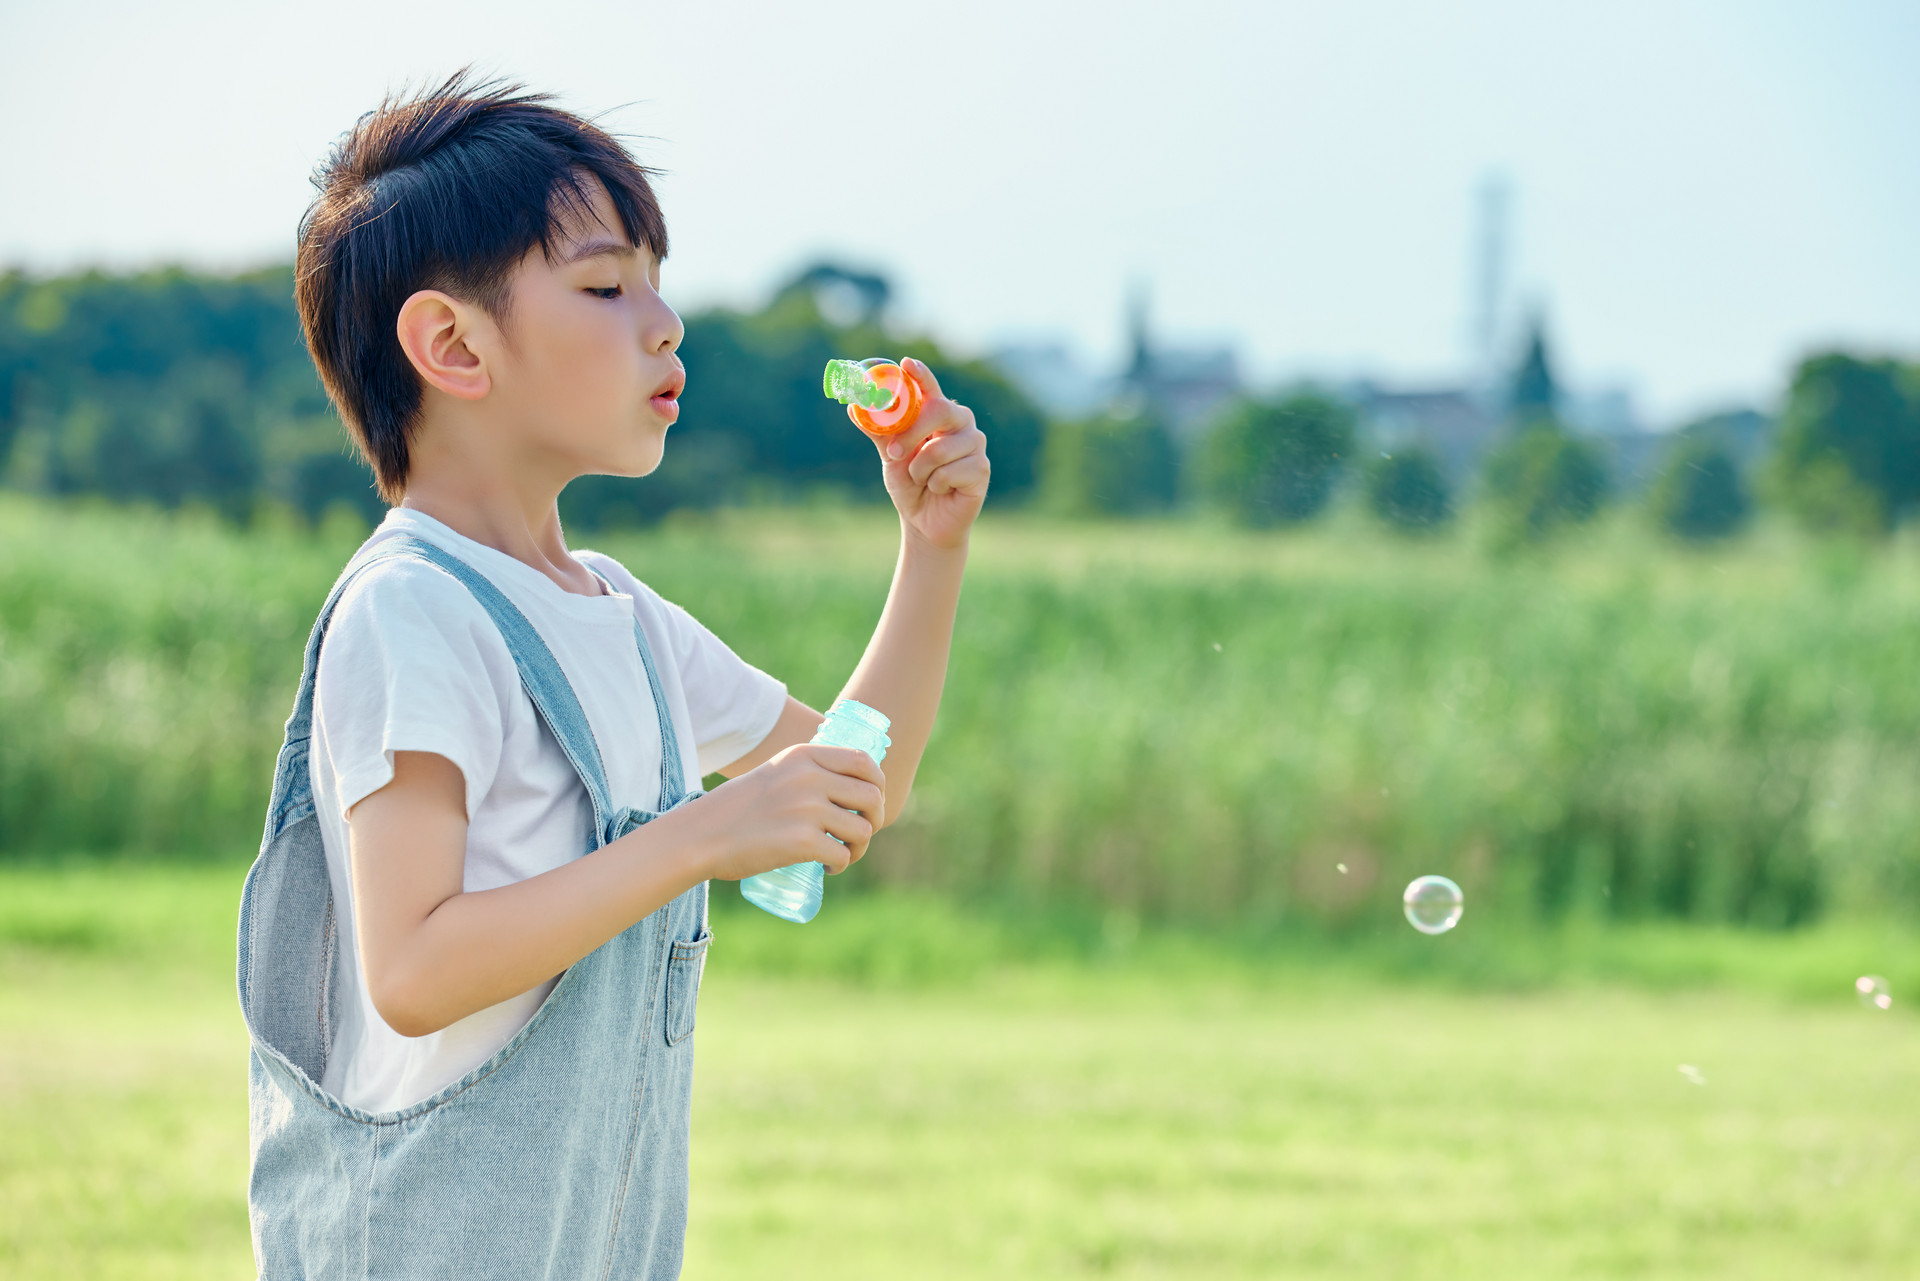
{"x":403,"y":587}
{"x":402,"y":611}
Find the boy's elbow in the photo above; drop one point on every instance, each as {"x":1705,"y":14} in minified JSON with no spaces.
{"x":400,"y":1006}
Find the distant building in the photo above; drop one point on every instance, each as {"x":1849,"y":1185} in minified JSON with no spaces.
{"x":1461,"y":425}
{"x":1186,"y":386}
{"x":1454,"y":424}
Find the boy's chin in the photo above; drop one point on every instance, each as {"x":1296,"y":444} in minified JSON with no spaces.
{"x":628,"y":470}
{"x":631,"y":463}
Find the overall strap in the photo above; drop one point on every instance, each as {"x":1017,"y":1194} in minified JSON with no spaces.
{"x":540,"y":674}
{"x":673,"y":786}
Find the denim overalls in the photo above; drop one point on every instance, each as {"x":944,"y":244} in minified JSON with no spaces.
{"x":562,"y":1156}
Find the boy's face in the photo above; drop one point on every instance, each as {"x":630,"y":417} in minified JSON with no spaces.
{"x":587,"y":364}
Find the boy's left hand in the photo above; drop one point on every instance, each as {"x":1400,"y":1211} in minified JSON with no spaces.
{"x":936,"y":471}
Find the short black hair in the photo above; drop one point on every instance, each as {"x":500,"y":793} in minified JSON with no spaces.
{"x":448,"y":189}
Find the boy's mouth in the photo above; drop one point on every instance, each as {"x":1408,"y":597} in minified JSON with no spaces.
{"x":666,"y":401}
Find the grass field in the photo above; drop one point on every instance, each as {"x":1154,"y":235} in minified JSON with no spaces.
{"x":1126,"y":991}
{"x":1162,"y":720}
{"x":902,"y":1093}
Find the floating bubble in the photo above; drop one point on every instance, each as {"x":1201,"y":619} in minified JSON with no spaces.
{"x":1873,"y":992}
{"x":1433,"y":904}
{"x":1693,"y":1074}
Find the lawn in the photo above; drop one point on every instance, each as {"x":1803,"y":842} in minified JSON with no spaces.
{"x":1137,"y":1114}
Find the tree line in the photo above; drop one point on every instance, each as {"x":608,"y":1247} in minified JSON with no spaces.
{"x":1844,"y":457}
{"x":174,"y":387}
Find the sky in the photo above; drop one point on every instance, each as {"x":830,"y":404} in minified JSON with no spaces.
{"x":1701,"y":192}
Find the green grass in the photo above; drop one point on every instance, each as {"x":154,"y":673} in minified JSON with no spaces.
{"x":901,"y":1089}
{"x":1166,"y":721}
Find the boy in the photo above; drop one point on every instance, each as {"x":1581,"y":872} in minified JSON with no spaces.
{"x":470,"y":948}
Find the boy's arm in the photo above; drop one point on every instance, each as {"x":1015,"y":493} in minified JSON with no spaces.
{"x":937,"y":481}
{"x":434,"y":953}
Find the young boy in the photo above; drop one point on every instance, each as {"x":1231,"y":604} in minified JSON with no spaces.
{"x":471,"y":945}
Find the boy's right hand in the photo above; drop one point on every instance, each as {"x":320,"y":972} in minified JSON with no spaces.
{"x":791,"y":810}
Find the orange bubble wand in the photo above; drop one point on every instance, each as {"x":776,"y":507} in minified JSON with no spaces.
{"x":880,"y":397}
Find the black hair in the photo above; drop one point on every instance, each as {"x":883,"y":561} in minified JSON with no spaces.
{"x":448,"y":189}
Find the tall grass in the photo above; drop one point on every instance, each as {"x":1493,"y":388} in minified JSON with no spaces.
{"x":1164,"y":721}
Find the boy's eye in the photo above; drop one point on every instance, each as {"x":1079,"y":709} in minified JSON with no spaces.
{"x":611,"y":291}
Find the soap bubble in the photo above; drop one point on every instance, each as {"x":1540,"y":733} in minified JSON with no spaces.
{"x":1433,"y":904}
{"x":1873,"y":992}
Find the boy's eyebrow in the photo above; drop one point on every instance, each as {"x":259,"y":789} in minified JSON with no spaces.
{"x":595,"y":248}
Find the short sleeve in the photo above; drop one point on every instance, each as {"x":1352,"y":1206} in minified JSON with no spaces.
{"x":732,"y":704}
{"x":411,"y":663}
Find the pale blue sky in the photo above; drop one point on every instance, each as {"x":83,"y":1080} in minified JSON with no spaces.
{"x":1704,"y":190}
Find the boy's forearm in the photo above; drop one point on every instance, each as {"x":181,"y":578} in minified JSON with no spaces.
{"x":479,"y":948}
{"x":905,"y":667}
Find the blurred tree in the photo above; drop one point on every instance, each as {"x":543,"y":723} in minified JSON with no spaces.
{"x":699,"y":470}
{"x":170,"y":387}
{"x":165,"y":386}
{"x":334,"y":477}
{"x":1275,"y":462}
{"x":1121,"y":463}
{"x":1541,"y":480}
{"x":754,"y":379}
{"x":1408,"y":490}
{"x":1700,"y":494}
{"x":1848,"y":452}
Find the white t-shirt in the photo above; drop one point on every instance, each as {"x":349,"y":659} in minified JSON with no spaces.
{"x":412,"y":662}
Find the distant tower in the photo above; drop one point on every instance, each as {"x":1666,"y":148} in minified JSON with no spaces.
{"x":1491,"y":215}
{"x":1534,"y":395}
{"x":1139,"y":344}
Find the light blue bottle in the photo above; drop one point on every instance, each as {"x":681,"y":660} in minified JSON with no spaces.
{"x":793,"y":893}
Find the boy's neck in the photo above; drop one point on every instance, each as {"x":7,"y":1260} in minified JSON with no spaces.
{"x":496,"y":501}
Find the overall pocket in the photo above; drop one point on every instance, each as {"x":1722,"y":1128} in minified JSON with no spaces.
{"x":684,"y":968}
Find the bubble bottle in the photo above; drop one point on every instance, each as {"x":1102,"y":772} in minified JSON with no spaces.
{"x":880,"y":396}
{"x":793,"y":893}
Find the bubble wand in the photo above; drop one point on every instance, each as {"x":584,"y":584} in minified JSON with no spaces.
{"x":880,"y":396}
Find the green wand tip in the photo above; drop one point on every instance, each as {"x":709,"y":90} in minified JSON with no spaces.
{"x":846,"y":381}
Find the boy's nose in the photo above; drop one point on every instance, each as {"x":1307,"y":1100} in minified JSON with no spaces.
{"x":664,"y":331}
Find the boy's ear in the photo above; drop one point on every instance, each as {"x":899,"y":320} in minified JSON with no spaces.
{"x":434,"y":330}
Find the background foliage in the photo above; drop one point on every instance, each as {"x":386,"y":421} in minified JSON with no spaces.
{"x":169,"y":387}
{"x":1848,"y":455}
{"x":1276,"y":462}
{"x":1121,"y":463}
{"x":1162,"y":721}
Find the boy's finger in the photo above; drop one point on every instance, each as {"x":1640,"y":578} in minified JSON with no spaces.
{"x":942,"y":450}
{"x":858,"y":795}
{"x":937,"y":414}
{"x":942,"y":419}
{"x":848,"y":827}
{"x":918,"y":371}
{"x":850,"y":761}
{"x":967,"y":475}
{"x":833,"y":855}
